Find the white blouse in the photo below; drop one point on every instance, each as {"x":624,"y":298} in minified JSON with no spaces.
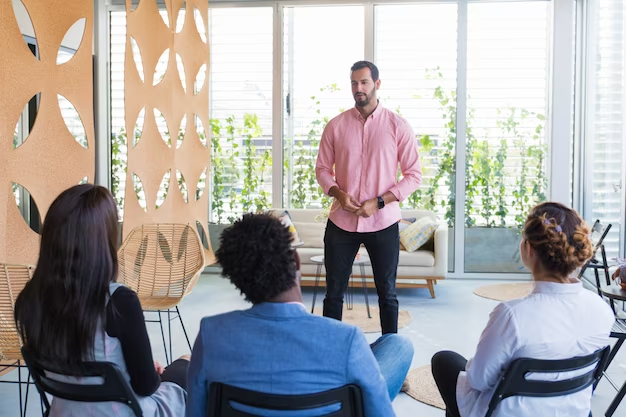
{"x":556,"y":321}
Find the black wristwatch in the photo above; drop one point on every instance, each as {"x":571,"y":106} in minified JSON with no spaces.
{"x":381,"y":203}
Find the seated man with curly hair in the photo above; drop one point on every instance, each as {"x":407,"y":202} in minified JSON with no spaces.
{"x":277,"y":346}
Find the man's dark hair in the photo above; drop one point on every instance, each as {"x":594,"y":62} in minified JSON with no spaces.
{"x":256,"y":255}
{"x":366,"y":64}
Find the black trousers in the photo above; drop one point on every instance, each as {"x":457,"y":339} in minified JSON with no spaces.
{"x":176,"y":372}
{"x":446,"y":367}
{"x":340,"y":248}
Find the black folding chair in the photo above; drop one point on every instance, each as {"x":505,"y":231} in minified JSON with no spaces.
{"x":222,"y":396}
{"x":514,"y":382}
{"x":600,"y":230}
{"x":113,"y":387}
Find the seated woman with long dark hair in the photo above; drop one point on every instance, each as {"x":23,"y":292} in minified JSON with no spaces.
{"x":559,"y":319}
{"x":72,"y":310}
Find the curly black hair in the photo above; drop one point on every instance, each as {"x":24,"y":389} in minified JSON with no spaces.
{"x":256,"y":255}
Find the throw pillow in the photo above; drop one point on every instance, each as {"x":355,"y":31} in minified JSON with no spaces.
{"x":403,"y":224}
{"x":285,"y":219}
{"x":418,"y":233}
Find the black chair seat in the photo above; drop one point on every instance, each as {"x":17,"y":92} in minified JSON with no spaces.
{"x":222,"y":396}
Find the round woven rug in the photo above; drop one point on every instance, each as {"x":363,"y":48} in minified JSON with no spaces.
{"x":422,"y":387}
{"x":504,"y":292}
{"x":358,"y":317}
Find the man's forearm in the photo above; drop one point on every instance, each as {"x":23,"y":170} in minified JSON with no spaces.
{"x":389,"y":197}
{"x":334,"y":191}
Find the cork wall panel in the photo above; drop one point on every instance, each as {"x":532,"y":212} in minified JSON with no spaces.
{"x":53,"y":156}
{"x":177,"y":43}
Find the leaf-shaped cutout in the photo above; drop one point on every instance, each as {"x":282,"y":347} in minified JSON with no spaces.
{"x":16,"y":135}
{"x":141,"y":256}
{"x":27,"y":207}
{"x":201,"y":184}
{"x":140,"y":192}
{"x":180,"y":20}
{"x":200,"y":130}
{"x":76,"y":31}
{"x":139,"y":125}
{"x":182,"y":185}
{"x":161,"y":67}
{"x":165,"y":247}
{"x":200,"y":27}
{"x":181,"y":72}
{"x":182,"y":245}
{"x":25,"y":24}
{"x":162,"y":126}
{"x":137,"y":57}
{"x":84,"y":181}
{"x":181,"y":132}
{"x":163,"y":12}
{"x":72,"y":121}
{"x":164,"y":189}
{"x":200,"y":78}
{"x":133,"y":5}
{"x":31,"y":110}
{"x":202,"y":234}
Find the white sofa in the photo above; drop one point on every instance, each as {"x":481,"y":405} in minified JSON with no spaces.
{"x":421,"y":268}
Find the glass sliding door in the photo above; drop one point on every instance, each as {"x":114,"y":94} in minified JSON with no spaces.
{"x":416,"y":50}
{"x":506,"y":140}
{"x":320,"y":44}
{"x":604,"y":137}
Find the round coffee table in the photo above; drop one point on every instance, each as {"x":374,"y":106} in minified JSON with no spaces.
{"x":614,"y":293}
{"x":361,"y":262}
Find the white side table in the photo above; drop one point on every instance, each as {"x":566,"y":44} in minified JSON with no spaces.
{"x":361,"y":262}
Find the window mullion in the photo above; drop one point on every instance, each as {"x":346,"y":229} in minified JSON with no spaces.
{"x":277,"y":108}
{"x":461,"y":127}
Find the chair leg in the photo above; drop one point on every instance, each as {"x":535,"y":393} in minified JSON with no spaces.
{"x":163,"y":336}
{"x":615,"y":403}
{"x":19,"y":388}
{"x":169,"y":331}
{"x":183,"y":326}
{"x":27,"y":389}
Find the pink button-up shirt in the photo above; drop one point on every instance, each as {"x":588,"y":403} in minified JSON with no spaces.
{"x":361,"y":158}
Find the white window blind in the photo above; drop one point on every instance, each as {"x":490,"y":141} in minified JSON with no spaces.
{"x":416,"y":51}
{"x":605,"y":116}
{"x":240,"y":106}
{"x":507,"y":79}
{"x":316,"y":88}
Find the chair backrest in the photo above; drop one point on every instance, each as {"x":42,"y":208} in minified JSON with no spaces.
{"x":222,"y":395}
{"x":13,"y":278}
{"x":113,"y":387}
{"x":514,"y":382}
{"x":161,"y":260}
{"x":598,"y":233}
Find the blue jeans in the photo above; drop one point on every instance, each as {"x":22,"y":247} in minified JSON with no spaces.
{"x":394,"y":355}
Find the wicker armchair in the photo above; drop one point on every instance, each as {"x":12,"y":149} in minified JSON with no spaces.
{"x":13,"y":278}
{"x":162,"y":263}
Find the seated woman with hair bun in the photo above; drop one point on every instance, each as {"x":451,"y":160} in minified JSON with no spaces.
{"x":559,"y":319}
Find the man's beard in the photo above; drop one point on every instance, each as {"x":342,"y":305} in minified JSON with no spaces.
{"x":363,"y":100}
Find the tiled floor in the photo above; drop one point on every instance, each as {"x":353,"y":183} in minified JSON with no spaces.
{"x":454,"y":320}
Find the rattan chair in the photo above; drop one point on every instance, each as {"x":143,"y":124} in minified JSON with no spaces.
{"x":13,"y":278}
{"x":162,"y":263}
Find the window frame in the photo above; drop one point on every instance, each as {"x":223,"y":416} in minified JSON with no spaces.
{"x":560,"y":118}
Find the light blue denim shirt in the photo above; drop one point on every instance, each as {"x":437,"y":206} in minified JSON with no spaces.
{"x":280,"y":348}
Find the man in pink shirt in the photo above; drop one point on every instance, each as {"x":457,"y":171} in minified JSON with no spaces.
{"x":358,"y":165}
